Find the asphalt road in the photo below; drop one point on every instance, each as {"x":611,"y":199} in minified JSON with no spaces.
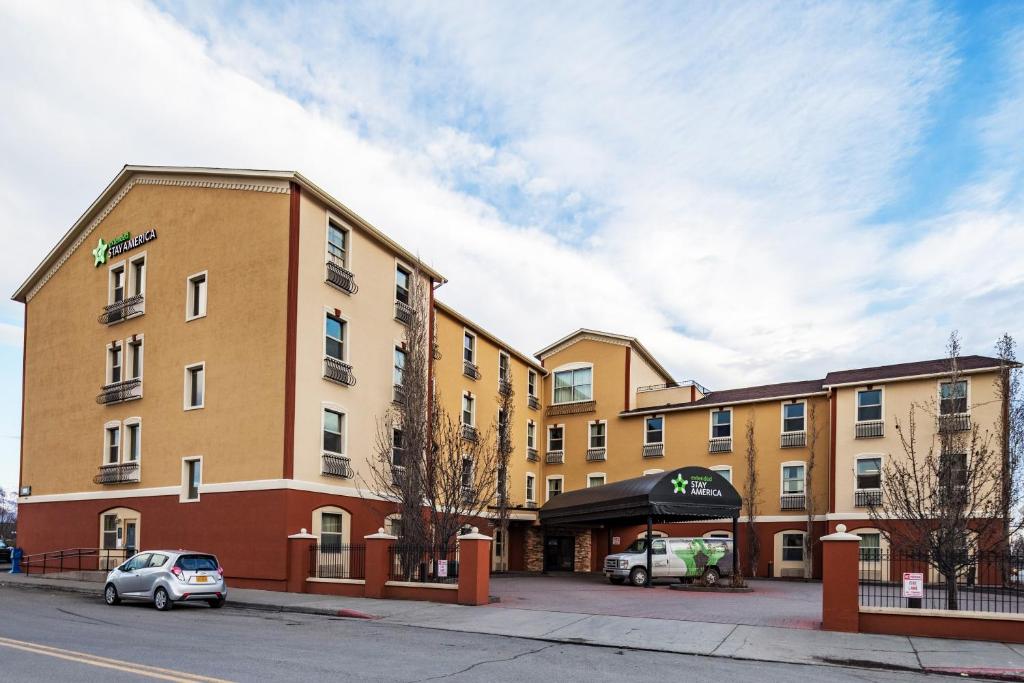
{"x":51,"y":636}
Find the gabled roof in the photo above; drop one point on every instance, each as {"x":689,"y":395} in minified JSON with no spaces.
{"x":609,"y":337}
{"x":766,"y":392}
{"x":98,"y":210}
{"x":916,"y":369}
{"x":532,"y":362}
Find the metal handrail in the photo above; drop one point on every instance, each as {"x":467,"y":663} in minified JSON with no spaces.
{"x":116,"y":392}
{"x":120,"y":311}
{"x":674,"y":385}
{"x":60,"y":560}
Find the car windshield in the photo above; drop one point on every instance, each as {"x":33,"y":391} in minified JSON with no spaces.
{"x":197,"y":563}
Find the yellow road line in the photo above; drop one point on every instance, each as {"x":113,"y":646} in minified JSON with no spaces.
{"x":106,"y":663}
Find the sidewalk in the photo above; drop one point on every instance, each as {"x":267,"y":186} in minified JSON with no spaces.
{"x":758,"y":643}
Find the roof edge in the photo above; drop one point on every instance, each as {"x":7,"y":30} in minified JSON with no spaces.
{"x":497,"y":341}
{"x":633,"y":342}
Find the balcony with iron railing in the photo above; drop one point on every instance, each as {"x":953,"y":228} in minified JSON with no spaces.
{"x":530,"y":505}
{"x":867,"y":498}
{"x":338,"y":371}
{"x":403,"y":313}
{"x":504,"y":387}
{"x":792,"y":501}
{"x":469,"y":369}
{"x":554,"y":457}
{"x":955,"y":422}
{"x":654,"y":450}
{"x":722,"y":444}
{"x":533,"y":402}
{"x":119,"y":311}
{"x":339,"y":277}
{"x":397,"y":475}
{"x":118,"y":473}
{"x":470,"y":433}
{"x":398,"y":394}
{"x":335,"y":465}
{"x":531,"y":455}
{"x":793,"y":440}
{"x":597,"y":454}
{"x":118,"y":392}
{"x":869,"y":430}
{"x":468,"y":494}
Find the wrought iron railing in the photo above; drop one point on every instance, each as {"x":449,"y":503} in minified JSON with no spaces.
{"x":959,"y":422}
{"x":335,"y":561}
{"x":596,"y":454}
{"x":720,"y":445}
{"x":123,"y":310}
{"x":554,"y":457}
{"x":792,"y":501}
{"x":76,"y":559}
{"x":338,"y":371}
{"x":504,"y":387}
{"x":340,"y":277}
{"x":398,"y":393}
{"x":117,"y":392}
{"x":531,"y":454}
{"x":118,"y":473}
{"x":654,"y":450}
{"x":397,"y":475}
{"x":982,"y":581}
{"x":869,"y":430}
{"x":423,"y":564}
{"x":793,"y":440}
{"x":867,"y":498}
{"x":533,"y":402}
{"x":470,"y":433}
{"x":470,"y":370}
{"x":404,"y":313}
{"x":335,"y":465}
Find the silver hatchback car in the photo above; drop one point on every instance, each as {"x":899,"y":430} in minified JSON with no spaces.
{"x":165,"y":577}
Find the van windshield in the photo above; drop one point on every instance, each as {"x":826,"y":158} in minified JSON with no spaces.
{"x":639,"y":546}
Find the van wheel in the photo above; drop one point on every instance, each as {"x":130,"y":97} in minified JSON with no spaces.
{"x":110,"y":595}
{"x":638,"y":577}
{"x":162,"y":601}
{"x":617,"y":580}
{"x":711,"y":577}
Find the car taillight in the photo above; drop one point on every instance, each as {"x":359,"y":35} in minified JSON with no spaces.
{"x":220,"y":570}
{"x":176,"y":571}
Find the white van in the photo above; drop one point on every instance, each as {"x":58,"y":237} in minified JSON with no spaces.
{"x":678,"y":558}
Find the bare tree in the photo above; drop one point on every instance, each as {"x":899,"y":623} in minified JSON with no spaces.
{"x":8,"y":515}
{"x":941,"y":498}
{"x":503,"y":422}
{"x":1011,"y":437}
{"x":751,"y":494}
{"x":813,"y":436}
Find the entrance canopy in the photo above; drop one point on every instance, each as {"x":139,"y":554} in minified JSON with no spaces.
{"x":681,"y":495}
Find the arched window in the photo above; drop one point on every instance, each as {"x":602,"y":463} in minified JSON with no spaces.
{"x":332,"y":527}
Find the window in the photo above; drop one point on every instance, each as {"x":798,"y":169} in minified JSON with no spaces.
{"x":793,"y":417}
{"x":554,"y":487}
{"x":792,"y":479}
{"x":399,"y":366}
{"x":138,"y":275}
{"x":334,"y":337}
{"x":337,"y":244}
{"x":724,"y":472}
{"x":330,"y":532}
{"x":654,"y":430}
{"x":555,"y":438}
{"x":193,"y":477}
{"x":869,"y":405}
{"x":869,"y":473}
{"x":793,"y":547}
{"x":114,"y":355}
{"x":597,"y":434}
{"x":531,"y":383}
{"x":531,"y":434}
{"x":574,"y":385}
{"x":113,"y":444}
{"x":953,"y":472}
{"x":468,"y":409}
{"x":402,"y":285}
{"x":503,"y":361}
{"x":530,"y":488}
{"x":196,"y":297}
{"x":195,"y":386}
{"x":134,"y":446}
{"x":595,"y":480}
{"x":109,"y":531}
{"x":117,"y":284}
{"x":469,"y":347}
{"x":393,"y":525}
{"x":870,"y":547}
{"x":333,"y":424}
{"x":397,"y":447}
{"x":135,"y":358}
{"x":467,"y":473}
{"x":721,"y":424}
{"x":953,"y":397}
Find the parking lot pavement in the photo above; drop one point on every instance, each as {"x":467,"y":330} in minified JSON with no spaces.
{"x":786,"y":604}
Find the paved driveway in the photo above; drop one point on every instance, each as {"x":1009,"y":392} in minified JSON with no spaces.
{"x":788,"y":604}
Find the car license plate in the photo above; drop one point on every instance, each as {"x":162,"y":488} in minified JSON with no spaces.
{"x":202,"y":579}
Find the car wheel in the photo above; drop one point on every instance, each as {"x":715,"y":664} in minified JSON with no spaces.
{"x":110,"y":595}
{"x":711,"y":577}
{"x":162,"y":601}
{"x":617,"y":580}
{"x":638,"y":577}
{"x":216,"y":604}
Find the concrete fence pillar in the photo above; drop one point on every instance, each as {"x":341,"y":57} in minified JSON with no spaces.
{"x":300,"y":546}
{"x":840,"y":606}
{"x":474,"y":568}
{"x":378,"y":563}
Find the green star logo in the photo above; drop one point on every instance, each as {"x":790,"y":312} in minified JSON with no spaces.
{"x":680,"y":484}
{"x":100,"y":253}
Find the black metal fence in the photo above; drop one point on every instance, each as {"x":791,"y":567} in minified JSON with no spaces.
{"x":423,"y":564}
{"x":984,"y":581}
{"x":329,"y":561}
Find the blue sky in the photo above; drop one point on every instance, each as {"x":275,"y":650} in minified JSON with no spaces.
{"x":759,"y":191}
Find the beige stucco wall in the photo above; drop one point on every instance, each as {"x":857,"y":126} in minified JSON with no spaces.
{"x":240,"y":238}
{"x":897,"y":400}
{"x":642,"y":374}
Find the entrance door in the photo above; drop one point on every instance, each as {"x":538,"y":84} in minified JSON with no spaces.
{"x":559,"y":554}
{"x":129,"y":536}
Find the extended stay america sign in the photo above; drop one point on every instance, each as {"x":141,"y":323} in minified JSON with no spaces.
{"x":119,"y":245}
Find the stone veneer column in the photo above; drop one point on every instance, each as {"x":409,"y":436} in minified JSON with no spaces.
{"x":533,"y":554}
{"x":582,"y":551}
